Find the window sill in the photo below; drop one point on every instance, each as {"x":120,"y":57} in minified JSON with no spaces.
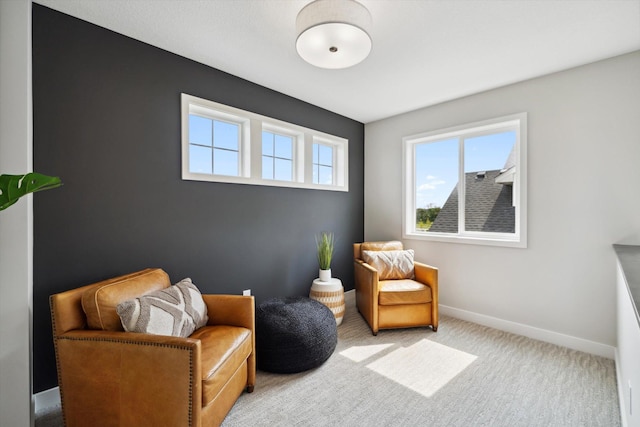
{"x":264,"y":182}
{"x":469,"y":240}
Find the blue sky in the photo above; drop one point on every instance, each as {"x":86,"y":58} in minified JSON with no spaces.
{"x":437,"y":163}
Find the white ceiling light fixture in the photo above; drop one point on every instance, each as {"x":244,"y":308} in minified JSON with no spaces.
{"x":333,"y":33}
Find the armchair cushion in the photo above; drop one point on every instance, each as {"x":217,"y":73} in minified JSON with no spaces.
{"x":404,"y":291}
{"x":391,"y":265}
{"x":224,"y":350}
{"x":99,"y":302}
{"x":176,"y":311}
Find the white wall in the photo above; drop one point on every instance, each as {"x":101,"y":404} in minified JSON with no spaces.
{"x":583,"y":195}
{"x":16,"y":223}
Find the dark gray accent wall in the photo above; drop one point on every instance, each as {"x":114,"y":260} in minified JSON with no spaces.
{"x":107,"y":121}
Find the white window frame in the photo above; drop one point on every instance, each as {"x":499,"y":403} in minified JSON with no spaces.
{"x":518,"y":239}
{"x":250,"y":168}
{"x":221,"y":116}
{"x":295,"y":148}
{"x":335,"y":159}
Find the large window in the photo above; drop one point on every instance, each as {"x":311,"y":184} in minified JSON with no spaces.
{"x":467,"y":184}
{"x":225,"y":144}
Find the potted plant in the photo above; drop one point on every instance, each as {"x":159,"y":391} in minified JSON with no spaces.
{"x":324,"y":245}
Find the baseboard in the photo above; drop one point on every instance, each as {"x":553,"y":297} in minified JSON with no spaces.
{"x":563,"y":340}
{"x":46,"y":399}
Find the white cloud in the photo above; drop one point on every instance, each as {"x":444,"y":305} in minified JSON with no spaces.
{"x":431,"y":184}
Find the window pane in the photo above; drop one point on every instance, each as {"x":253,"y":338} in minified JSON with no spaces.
{"x":325,"y":175}
{"x":488,"y":152}
{"x":267,"y":143}
{"x":436,"y":186}
{"x":199,"y":159}
{"x":225,"y":162}
{"x":325,"y":155}
{"x":199,"y":130}
{"x":322,"y":164}
{"x":283,"y":170}
{"x":267,"y":167}
{"x":226,"y":135}
{"x":488,"y":167}
{"x":283,"y":146}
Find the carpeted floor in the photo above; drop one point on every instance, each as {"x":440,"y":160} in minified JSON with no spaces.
{"x":463,"y":375}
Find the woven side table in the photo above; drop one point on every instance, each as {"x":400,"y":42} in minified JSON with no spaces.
{"x":331,"y":294}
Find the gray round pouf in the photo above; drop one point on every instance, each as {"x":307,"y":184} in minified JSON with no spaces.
{"x":294,"y":334}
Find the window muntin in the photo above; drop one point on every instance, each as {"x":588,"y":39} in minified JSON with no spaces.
{"x":225,"y":144}
{"x":467,"y":184}
{"x":213,"y":146}
{"x":322,"y":164}
{"x":277,"y":156}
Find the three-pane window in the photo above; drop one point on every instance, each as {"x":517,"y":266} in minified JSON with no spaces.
{"x":225,"y":144}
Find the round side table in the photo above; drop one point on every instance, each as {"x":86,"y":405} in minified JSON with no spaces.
{"x":331,"y":294}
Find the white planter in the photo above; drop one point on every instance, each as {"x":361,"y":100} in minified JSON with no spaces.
{"x":325,"y":275}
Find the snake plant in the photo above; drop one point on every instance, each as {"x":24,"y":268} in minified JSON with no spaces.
{"x":324,"y":244}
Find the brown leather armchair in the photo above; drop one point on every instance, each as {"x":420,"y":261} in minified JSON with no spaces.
{"x":109,"y":377}
{"x":400,"y":298}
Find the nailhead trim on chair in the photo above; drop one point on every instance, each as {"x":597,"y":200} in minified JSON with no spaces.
{"x":179,"y":347}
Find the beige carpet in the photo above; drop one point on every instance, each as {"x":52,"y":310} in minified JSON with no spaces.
{"x":463,"y":375}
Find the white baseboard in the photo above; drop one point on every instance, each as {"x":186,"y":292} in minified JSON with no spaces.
{"x":46,"y":399}
{"x":563,"y":340}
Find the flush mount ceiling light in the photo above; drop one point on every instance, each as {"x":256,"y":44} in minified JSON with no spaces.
{"x":333,"y":33}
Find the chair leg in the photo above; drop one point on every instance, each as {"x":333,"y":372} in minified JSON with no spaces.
{"x":435,"y":328}
{"x":250,"y":389}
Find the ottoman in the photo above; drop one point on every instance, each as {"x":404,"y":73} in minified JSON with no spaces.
{"x":294,"y":334}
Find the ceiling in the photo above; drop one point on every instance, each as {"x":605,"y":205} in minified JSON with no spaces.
{"x":424,"y":51}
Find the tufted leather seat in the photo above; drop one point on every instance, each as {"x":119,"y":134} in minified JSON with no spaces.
{"x":108,"y":377}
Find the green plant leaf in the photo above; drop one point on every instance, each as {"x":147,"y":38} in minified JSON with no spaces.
{"x":324,"y":245}
{"x":12,"y":187}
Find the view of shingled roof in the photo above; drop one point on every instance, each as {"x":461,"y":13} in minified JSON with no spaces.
{"x":488,"y":206}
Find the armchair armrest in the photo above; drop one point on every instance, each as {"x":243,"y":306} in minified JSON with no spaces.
{"x":366,"y":277}
{"x":233,"y":310}
{"x":367,"y":288}
{"x":429,"y":276}
{"x":103,"y":372}
{"x":426,"y":274}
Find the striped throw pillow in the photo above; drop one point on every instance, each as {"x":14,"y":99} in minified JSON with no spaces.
{"x":177,"y":311}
